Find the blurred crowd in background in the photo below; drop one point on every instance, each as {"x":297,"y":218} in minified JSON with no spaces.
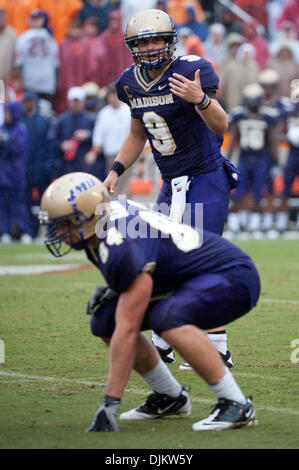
{"x":60,"y":113}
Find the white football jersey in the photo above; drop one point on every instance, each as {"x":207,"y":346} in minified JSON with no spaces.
{"x":37,"y":52}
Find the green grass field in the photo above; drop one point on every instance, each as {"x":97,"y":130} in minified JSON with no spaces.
{"x":54,"y":374}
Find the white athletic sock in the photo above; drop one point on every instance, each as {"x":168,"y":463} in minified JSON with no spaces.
{"x":268,"y":221}
{"x":254,"y":221}
{"x":282,"y":221}
{"x":228,"y":388}
{"x":161,"y":380}
{"x":158,"y":341}
{"x":219,"y":340}
{"x":243,"y":219}
{"x":233,"y":223}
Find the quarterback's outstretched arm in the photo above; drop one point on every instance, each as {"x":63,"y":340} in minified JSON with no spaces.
{"x":129,"y":152}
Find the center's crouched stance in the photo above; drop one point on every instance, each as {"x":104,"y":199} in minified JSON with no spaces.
{"x":164,"y":276}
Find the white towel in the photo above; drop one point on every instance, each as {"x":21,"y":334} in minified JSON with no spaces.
{"x":179,"y":187}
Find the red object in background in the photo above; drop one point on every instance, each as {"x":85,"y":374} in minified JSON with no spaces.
{"x":141,"y":185}
{"x":279,"y":186}
{"x":70,"y":154}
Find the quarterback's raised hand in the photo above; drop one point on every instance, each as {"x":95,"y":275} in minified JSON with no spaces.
{"x":111,"y":181}
{"x":105,"y":417}
{"x":188,"y":90}
{"x":100,"y":296}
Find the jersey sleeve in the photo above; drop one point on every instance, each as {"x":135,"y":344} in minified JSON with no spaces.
{"x":208,"y":78}
{"x":128,"y":265}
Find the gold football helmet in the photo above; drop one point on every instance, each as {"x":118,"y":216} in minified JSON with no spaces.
{"x":253,"y":96}
{"x":150,"y":24}
{"x":71,"y":207}
{"x":268,"y":77}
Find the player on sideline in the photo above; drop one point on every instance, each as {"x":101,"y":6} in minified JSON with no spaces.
{"x":173,"y":105}
{"x":203,"y":281}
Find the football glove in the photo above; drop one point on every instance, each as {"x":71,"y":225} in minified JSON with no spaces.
{"x":100,"y":296}
{"x":105,"y":417}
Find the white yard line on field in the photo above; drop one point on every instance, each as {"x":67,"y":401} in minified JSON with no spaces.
{"x":280,"y":301}
{"x":61,"y":380}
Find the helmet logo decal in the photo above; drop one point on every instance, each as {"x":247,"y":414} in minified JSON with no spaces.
{"x":80,"y":188}
{"x":141,"y":32}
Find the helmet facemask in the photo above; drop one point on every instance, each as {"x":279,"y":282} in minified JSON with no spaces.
{"x":162,"y":55}
{"x":71,"y":206}
{"x":64,"y":233}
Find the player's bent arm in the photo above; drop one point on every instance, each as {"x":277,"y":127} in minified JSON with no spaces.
{"x":214,"y":117}
{"x":130,"y":311}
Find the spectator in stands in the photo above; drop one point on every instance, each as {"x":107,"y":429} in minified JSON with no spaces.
{"x":290,"y":13}
{"x":73,"y":57}
{"x":40,"y":159}
{"x":99,"y":9}
{"x":200,"y":28}
{"x":284,"y":62}
{"x":189,"y":43}
{"x":229,"y":21}
{"x":61,"y":14}
{"x":287,"y":33}
{"x":9,"y":96}
{"x":70,"y":136}
{"x":113,"y":120}
{"x":7,"y":45}
{"x":18,"y":12}
{"x":256,"y":10}
{"x":215,"y":46}
{"x":260,"y":44}
{"x":113,"y":41}
{"x":93,"y":100}
{"x":91,"y":27}
{"x":129,"y":7}
{"x":176,"y":9}
{"x":36,"y":56}
{"x":274,"y":9}
{"x":13,"y":162}
{"x":230,"y":87}
{"x":248,"y":67}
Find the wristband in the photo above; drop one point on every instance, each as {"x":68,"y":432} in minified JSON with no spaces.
{"x":118,"y":168}
{"x":205,"y":102}
{"x":108,"y":400}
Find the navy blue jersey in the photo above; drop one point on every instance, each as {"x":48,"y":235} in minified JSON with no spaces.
{"x":181,"y":143}
{"x":136,"y":240}
{"x":253,"y":129}
{"x":283,"y":107}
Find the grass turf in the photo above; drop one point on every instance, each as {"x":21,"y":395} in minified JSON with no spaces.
{"x":55,"y":371}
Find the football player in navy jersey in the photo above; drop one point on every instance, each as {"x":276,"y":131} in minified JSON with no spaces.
{"x":269,"y":80}
{"x":164,"y":276}
{"x":173,"y":106}
{"x":252,"y":126}
{"x":291,"y":169}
